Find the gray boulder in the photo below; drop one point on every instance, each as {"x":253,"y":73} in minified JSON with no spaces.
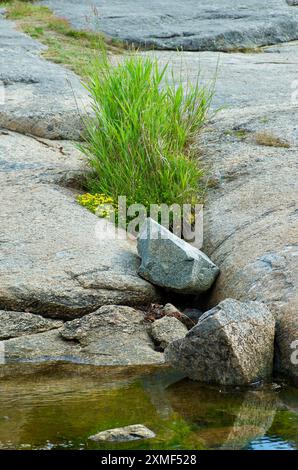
{"x":128,"y":433}
{"x":170,"y":262}
{"x":232,"y":344}
{"x":14,"y":324}
{"x":286,"y":352}
{"x":292,"y":2}
{"x":166,"y":330}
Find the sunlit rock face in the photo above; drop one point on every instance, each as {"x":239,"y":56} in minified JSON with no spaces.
{"x":191,"y":25}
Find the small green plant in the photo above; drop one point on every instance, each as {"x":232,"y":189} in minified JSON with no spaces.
{"x":97,"y":203}
{"x":240,"y":134}
{"x":141,"y":141}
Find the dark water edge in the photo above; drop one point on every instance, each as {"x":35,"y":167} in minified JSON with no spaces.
{"x":59,"y":406}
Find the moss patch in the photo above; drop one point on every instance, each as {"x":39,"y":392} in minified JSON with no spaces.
{"x":240,"y":134}
{"x":270,"y":140}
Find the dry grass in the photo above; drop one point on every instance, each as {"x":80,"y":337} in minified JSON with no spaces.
{"x":269,"y":140}
{"x":65,"y":45}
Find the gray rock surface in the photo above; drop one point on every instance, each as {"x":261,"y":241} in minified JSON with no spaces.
{"x":287,"y":346}
{"x":113,"y":335}
{"x":170,"y":262}
{"x":40,"y":347}
{"x":38,"y":95}
{"x":51,"y":261}
{"x":250,"y":216}
{"x":127,"y":433}
{"x":239,"y":79}
{"x":232,"y":344}
{"x":251,"y":210}
{"x":14,"y":324}
{"x":191,"y":24}
{"x":193,"y":313}
{"x":166,"y":330}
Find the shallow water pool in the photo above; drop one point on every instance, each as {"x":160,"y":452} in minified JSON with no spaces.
{"x":59,"y":406}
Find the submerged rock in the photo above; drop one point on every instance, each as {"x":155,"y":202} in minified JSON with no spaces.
{"x":170,"y":262}
{"x":14,"y":324}
{"x":166,"y":330}
{"x":232,"y":344}
{"x":127,"y":433}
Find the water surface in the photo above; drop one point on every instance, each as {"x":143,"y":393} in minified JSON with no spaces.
{"x":59,"y":406}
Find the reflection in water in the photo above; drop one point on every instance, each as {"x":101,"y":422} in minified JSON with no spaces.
{"x":60,"y":406}
{"x":224,"y":419}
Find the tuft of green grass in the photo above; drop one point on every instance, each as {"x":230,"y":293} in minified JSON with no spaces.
{"x":141,"y":142}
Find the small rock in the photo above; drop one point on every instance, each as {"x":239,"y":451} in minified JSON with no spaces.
{"x":170,"y":262}
{"x":292,"y":3}
{"x":170,"y":310}
{"x":166,"y":330}
{"x":14,"y":324}
{"x":127,"y":433}
{"x":156,"y":311}
{"x":232,"y":344}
